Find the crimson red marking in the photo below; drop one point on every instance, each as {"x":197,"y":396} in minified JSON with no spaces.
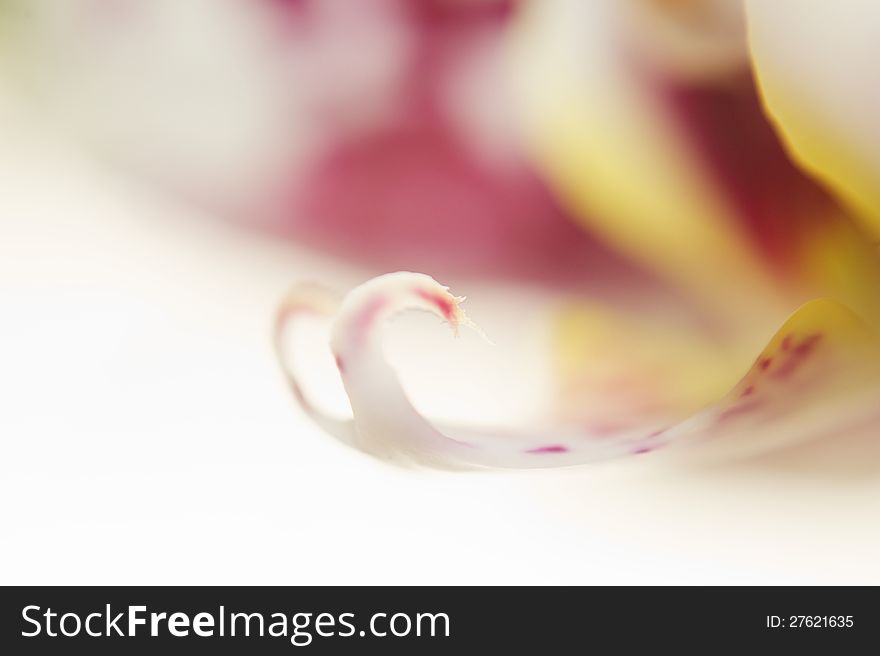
{"x":807,"y":346}
{"x":552,"y":448}
{"x":443,"y":303}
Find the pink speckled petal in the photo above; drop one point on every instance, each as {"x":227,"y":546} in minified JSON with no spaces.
{"x":818,"y":376}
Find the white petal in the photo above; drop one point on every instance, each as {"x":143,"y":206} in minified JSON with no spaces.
{"x":819,"y":375}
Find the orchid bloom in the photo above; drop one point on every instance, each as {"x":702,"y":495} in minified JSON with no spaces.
{"x":646,"y":121}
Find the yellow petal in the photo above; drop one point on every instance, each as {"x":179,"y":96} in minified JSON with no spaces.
{"x":816,"y":62}
{"x":639,"y":364}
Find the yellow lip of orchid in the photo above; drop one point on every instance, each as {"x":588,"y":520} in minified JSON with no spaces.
{"x":819,"y":373}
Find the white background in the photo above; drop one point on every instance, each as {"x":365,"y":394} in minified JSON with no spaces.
{"x":148,"y":438}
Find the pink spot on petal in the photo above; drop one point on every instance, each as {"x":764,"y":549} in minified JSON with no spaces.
{"x":551,"y":448}
{"x":367,"y":317}
{"x":797,"y":356}
{"x":340,"y":364}
{"x":786,"y":370}
{"x":748,"y":391}
{"x":764,"y":363}
{"x":807,"y":346}
{"x":642,"y":449}
{"x":738,"y":410}
{"x":443,"y":303}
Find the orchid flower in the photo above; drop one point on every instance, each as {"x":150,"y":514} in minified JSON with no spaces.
{"x":700,"y":181}
{"x":650,"y":130}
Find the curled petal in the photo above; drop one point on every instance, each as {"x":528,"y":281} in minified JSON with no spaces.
{"x":307,"y":300}
{"x":818,"y":375}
